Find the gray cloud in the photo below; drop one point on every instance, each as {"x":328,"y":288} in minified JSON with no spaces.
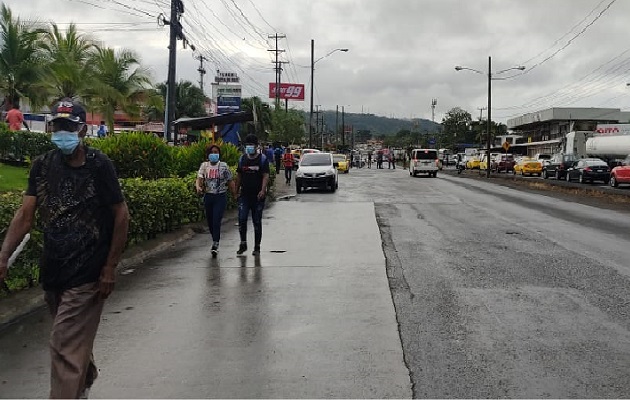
{"x":402,"y":52}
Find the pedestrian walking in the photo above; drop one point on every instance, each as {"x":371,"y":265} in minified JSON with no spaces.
{"x":288,"y":160}
{"x":379,"y":160}
{"x":15,"y":119}
{"x":252,"y":176}
{"x":84,"y":218}
{"x":369,"y":159}
{"x":102,"y":130}
{"x":214,"y":178}
{"x":270,"y":153}
{"x":277,"y":154}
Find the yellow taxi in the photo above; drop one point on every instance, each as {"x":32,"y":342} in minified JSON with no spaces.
{"x":528,"y":166}
{"x":342,"y":163}
{"x":473,"y":163}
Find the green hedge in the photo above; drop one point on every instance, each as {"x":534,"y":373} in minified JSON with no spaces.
{"x":22,"y":145}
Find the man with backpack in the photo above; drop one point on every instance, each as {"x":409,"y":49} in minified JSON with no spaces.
{"x":252,"y":176}
{"x":84,"y":220}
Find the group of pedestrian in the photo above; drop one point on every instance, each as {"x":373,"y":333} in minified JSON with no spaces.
{"x":83,"y":214}
{"x":381,"y":157}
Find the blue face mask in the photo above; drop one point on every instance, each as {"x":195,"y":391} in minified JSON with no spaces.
{"x":214,"y":158}
{"x":66,"y":141}
{"x":251,"y":150}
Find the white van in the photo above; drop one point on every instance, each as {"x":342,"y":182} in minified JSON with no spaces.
{"x":424,"y":161}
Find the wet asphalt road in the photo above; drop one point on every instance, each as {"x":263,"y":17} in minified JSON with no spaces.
{"x":497,"y":293}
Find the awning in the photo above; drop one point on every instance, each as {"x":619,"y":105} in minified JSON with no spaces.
{"x":554,"y":141}
{"x":203,"y":123}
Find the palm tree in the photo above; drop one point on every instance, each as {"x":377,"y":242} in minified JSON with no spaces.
{"x":20,"y":59}
{"x":120,"y":83}
{"x":189,"y":99}
{"x":69,"y":72}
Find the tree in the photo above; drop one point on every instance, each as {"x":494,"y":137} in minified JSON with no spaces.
{"x":263,"y":114}
{"x":120,"y":83}
{"x":455,"y":125}
{"x":21,"y":59}
{"x":68,"y":71}
{"x":189,"y":99}
{"x":288,"y":126}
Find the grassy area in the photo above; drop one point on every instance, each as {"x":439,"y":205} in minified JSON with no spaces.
{"x":12,"y":178}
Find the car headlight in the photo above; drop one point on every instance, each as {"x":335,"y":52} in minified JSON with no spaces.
{"x":299,"y":174}
{"x":330,"y":171}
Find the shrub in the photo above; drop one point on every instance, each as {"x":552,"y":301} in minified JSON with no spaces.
{"x":137,"y":155}
{"x":22,"y":145}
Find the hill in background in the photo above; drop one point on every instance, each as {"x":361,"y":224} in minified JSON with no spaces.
{"x":375,"y":124}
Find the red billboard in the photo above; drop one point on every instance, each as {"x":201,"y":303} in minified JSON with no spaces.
{"x":290,"y":91}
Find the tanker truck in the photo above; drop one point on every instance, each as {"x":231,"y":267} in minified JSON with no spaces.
{"x":583,"y":144}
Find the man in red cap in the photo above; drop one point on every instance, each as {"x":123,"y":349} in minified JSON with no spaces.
{"x":85,"y":219}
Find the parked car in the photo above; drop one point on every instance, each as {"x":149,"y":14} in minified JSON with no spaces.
{"x":317,"y":170}
{"x":558,"y":166}
{"x":589,"y":170}
{"x":620,"y":174}
{"x":503,"y":163}
{"x":528,"y":166}
{"x":342,"y":163}
{"x":424,"y":161}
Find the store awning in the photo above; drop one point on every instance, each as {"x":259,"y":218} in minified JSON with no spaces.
{"x":202,"y":123}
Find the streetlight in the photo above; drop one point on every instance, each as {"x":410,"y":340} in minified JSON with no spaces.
{"x":313,"y":61}
{"x":490,"y":79}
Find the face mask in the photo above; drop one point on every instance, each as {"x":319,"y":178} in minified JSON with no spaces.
{"x":66,"y":141}
{"x":214,"y":158}
{"x":251,"y":150}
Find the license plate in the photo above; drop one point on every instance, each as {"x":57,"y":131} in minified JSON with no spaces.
{"x":600,"y":170}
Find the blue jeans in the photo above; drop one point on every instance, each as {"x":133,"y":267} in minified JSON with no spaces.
{"x":255,"y":206}
{"x":215,"y":207}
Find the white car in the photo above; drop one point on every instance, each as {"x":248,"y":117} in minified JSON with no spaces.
{"x":317,"y":170}
{"x":424,"y":161}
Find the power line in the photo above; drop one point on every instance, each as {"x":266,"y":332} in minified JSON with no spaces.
{"x":567,"y":44}
{"x":263,"y":18}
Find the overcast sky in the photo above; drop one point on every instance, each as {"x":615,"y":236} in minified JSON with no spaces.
{"x":402,"y":53}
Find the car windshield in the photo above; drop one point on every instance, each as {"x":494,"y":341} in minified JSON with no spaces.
{"x":596,"y":163}
{"x":339,"y":157}
{"x":425,"y":155}
{"x":315,"y":160}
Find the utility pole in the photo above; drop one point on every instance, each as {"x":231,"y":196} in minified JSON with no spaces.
{"x":278,"y":67}
{"x":481,"y":112}
{"x":343,"y":125}
{"x":433,"y":104}
{"x":201,"y":69}
{"x":310,"y":116}
{"x":177,"y":9}
{"x":489,"y":118}
{"x":337,"y":125}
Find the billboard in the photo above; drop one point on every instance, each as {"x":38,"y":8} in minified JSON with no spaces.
{"x":613,"y":129}
{"x":289,"y":91}
{"x":228,"y":104}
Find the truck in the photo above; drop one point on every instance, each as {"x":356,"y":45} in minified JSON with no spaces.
{"x":584,"y":144}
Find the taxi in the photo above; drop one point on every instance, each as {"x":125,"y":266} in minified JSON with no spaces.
{"x":473,"y":163}
{"x":342,"y":163}
{"x":528,"y":166}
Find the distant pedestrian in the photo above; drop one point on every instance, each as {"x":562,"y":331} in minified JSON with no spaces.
{"x":288,"y":160}
{"x":252,"y":176}
{"x":84,"y":220}
{"x":15,"y":119}
{"x":213,"y":180}
{"x":277,"y":154}
{"x":391,"y":160}
{"x":379,"y":160}
{"x":102,"y":130}
{"x":369,"y":159}
{"x":269,"y":152}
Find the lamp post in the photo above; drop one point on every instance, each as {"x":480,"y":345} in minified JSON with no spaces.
{"x":489,"y":124}
{"x":313,"y":62}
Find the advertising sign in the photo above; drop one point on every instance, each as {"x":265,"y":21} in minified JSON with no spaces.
{"x":613,"y":129}
{"x":290,"y":91}
{"x":227,"y":104}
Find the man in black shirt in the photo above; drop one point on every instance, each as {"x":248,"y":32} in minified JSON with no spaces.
{"x":76,"y":192}
{"x":252,"y":176}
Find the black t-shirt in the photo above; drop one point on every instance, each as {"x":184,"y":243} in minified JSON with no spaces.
{"x":251,"y":171}
{"x":74,"y":206}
